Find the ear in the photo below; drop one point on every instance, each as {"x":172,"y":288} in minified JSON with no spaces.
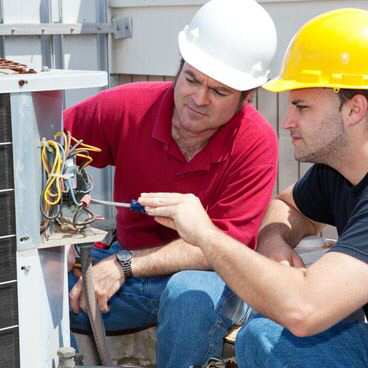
{"x":355,"y":110}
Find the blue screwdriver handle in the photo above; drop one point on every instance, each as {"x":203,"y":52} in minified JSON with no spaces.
{"x":135,"y":206}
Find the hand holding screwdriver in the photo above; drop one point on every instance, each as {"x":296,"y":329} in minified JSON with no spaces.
{"x":133,"y":205}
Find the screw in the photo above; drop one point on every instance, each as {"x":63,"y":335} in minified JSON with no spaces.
{"x":22,"y":82}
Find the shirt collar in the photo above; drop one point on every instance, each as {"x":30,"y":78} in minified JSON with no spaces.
{"x":163,"y":115}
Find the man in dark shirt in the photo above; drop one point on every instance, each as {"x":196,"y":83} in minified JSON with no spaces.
{"x":304,"y":311}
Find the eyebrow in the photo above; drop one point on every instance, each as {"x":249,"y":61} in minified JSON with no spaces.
{"x":297,"y":102}
{"x":220,"y":88}
{"x":190,"y":74}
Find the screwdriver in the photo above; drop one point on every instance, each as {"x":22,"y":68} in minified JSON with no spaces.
{"x":133,"y":205}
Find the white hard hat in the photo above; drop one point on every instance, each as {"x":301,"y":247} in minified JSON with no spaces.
{"x":231,"y":41}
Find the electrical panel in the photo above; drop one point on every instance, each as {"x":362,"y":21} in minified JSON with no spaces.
{"x":9,"y":331}
{"x":34,"y":310}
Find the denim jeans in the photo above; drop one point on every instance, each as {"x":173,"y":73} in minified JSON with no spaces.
{"x":264,"y":343}
{"x":193,"y":311}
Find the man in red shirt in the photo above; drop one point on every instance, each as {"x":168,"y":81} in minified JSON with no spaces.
{"x":198,"y":135}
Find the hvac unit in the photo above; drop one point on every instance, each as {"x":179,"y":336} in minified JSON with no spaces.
{"x":34,"y":312}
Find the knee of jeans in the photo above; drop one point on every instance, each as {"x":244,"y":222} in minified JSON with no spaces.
{"x":185,"y":298}
{"x":256,"y":338}
{"x":79,"y":322}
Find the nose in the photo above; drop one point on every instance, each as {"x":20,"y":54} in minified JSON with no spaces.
{"x":289,"y":121}
{"x":201,"y":96}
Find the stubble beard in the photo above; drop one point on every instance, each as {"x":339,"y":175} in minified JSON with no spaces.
{"x":330,"y":152}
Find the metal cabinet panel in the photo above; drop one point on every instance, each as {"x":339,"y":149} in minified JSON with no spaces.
{"x":79,"y":11}
{"x":20,"y":11}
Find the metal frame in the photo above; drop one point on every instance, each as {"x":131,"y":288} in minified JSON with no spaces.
{"x":103,"y":54}
{"x":31,"y":29}
{"x":42,"y":287}
{"x":2,"y":52}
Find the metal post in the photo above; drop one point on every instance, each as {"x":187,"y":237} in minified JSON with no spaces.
{"x":45,"y":13}
{"x":58,"y":43}
{"x":66,"y":357}
{"x":2,"y":49}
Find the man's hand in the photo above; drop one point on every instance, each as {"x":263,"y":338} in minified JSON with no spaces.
{"x":71,"y":257}
{"x":281,"y":252}
{"x":181,"y":212}
{"x":108,"y":277}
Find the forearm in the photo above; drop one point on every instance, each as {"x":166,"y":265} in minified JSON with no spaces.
{"x":269,"y":287}
{"x":297,"y":298}
{"x":283,"y":222}
{"x":170,"y":258}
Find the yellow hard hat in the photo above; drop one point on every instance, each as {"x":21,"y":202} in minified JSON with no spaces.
{"x":330,"y":51}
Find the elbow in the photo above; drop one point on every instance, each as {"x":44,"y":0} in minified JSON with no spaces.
{"x":301,"y":322}
{"x":301,"y":329}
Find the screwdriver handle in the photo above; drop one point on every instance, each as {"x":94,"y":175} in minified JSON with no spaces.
{"x":135,"y":206}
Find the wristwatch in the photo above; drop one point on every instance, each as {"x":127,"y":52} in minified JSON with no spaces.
{"x":124,"y":257}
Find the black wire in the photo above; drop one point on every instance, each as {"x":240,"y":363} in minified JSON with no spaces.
{"x":90,"y":217}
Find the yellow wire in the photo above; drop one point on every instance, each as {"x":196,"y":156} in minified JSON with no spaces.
{"x":53,"y":175}
{"x":66,"y":141}
{"x":53,"y":190}
{"x":88,"y":158}
{"x":86,"y":146}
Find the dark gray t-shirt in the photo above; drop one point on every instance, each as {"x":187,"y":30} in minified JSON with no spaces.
{"x":324,"y":195}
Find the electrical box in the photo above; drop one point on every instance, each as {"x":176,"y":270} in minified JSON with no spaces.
{"x":34,"y":308}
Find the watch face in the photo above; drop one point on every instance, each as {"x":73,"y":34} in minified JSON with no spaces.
{"x":124,"y":255}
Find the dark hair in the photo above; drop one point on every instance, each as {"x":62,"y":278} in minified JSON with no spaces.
{"x":347,"y":94}
{"x":243,"y":94}
{"x":181,"y":64}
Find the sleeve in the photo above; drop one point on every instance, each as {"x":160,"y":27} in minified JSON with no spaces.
{"x":312,"y":197}
{"x":95,"y":121}
{"x":246,"y":191}
{"x":354,"y":239}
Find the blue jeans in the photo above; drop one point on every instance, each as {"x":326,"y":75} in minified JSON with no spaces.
{"x":193,"y":311}
{"x":264,"y":343}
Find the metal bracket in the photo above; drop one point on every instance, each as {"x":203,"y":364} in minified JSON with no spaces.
{"x":44,"y":29}
{"x":123,"y":27}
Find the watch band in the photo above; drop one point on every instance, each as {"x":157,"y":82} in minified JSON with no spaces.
{"x":127,"y":268}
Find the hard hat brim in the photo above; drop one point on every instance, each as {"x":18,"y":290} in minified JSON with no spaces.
{"x":282,"y":85}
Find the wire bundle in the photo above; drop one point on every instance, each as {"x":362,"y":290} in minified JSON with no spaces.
{"x":65,"y":182}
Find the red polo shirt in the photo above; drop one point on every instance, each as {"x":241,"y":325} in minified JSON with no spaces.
{"x":233,"y":175}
